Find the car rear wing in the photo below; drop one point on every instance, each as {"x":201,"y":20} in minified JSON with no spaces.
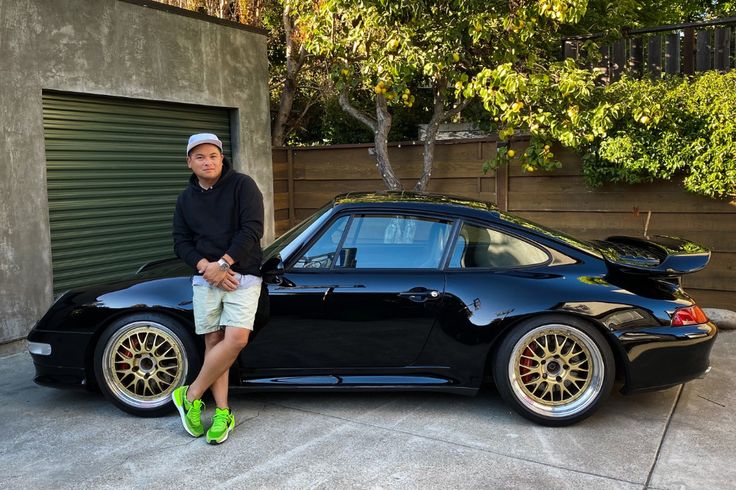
{"x":662,"y":256}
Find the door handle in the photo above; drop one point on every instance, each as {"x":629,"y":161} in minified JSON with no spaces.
{"x":420,"y":295}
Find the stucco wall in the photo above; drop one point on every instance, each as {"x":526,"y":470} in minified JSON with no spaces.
{"x":107,"y":47}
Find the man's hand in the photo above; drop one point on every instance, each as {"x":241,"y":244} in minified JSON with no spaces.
{"x":213,"y":274}
{"x":229,"y":283}
{"x":223,"y":279}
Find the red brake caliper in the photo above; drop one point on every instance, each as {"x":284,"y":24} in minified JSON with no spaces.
{"x":526,"y":364}
{"x":128,"y":354}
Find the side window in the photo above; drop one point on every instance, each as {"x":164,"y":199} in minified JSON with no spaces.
{"x":478,"y":247}
{"x":321,"y":254}
{"x":394,"y":242}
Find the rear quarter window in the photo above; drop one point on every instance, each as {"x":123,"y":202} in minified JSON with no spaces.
{"x":486,"y":248}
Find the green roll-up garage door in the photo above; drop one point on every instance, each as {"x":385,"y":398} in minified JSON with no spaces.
{"x":114,"y":170}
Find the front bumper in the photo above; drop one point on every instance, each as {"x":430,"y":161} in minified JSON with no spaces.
{"x":661,"y":357}
{"x":65,"y":366}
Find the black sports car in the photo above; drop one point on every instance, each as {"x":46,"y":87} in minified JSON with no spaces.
{"x":404,"y":291}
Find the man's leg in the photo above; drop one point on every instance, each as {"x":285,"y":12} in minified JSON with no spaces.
{"x":219,"y":387}
{"x":217,"y":362}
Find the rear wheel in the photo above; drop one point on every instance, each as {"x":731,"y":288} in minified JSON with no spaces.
{"x":554,"y":370}
{"x":141,"y":359}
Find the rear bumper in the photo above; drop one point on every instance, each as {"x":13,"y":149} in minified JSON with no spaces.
{"x":661,"y":357}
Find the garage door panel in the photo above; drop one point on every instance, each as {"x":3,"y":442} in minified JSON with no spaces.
{"x":114,"y":170}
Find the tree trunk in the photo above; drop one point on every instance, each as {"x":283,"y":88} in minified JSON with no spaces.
{"x":438,"y":116}
{"x":433,"y":127}
{"x":295,"y":56}
{"x":286,"y":102}
{"x":383,"y":117}
{"x":380,"y":127}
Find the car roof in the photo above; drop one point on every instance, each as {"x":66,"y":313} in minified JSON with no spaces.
{"x":410,"y":197}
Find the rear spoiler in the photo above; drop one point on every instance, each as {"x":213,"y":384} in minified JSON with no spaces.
{"x":660,"y":255}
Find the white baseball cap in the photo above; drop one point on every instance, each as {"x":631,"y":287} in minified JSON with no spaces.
{"x":201,"y":139}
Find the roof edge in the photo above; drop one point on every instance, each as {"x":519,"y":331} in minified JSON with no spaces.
{"x":195,"y":15}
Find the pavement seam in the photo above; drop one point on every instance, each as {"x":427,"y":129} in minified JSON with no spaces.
{"x":453,"y":443}
{"x":8,"y":356}
{"x":664,"y":436}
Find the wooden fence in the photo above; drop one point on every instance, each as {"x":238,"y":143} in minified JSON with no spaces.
{"x":307,"y":178}
{"x":670,"y":49}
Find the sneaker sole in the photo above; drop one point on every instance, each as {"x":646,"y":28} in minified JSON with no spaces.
{"x":183,"y":416}
{"x":214,"y":442}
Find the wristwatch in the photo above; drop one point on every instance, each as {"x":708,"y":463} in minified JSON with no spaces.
{"x":223,"y":264}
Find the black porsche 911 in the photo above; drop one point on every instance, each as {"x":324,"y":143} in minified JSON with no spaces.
{"x":404,"y":291}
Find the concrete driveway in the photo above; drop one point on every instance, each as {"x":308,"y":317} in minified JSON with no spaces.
{"x":680,"y":438}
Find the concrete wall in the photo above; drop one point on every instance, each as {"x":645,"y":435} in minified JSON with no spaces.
{"x":118,"y":48}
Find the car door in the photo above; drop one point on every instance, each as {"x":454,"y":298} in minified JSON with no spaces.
{"x":364,"y":294}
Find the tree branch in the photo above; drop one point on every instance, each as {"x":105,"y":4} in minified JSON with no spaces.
{"x":348,"y":107}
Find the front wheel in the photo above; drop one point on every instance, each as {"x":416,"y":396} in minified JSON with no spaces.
{"x":554,"y":370}
{"x":140,"y":359}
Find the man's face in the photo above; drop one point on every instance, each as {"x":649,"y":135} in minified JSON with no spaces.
{"x":205,"y":161}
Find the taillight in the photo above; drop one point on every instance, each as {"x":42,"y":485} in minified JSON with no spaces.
{"x":692,"y":315}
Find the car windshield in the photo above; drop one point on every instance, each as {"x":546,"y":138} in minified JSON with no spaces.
{"x":278,"y":246}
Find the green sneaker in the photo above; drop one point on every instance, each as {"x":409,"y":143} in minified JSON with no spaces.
{"x":223,"y":423}
{"x":190,"y":412}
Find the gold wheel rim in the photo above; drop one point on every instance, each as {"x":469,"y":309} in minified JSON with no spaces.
{"x":144,"y":363}
{"x":556,"y":370}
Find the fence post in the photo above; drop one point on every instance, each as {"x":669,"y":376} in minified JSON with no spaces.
{"x":689,"y":47}
{"x":654,"y":56}
{"x":672,"y":53}
{"x":723,"y":49}
{"x":605,"y":63}
{"x":618,"y":59}
{"x":290,"y":184}
{"x":502,"y":185}
{"x":636,"y":57}
{"x":702,"y":60}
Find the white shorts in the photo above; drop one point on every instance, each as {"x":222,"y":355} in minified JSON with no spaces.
{"x":215,"y":308}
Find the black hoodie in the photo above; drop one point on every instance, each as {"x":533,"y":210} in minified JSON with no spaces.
{"x":227,"y":218}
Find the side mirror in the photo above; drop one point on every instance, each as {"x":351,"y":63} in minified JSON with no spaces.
{"x":272,"y":270}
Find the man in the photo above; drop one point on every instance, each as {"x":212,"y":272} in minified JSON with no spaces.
{"x":218,"y":225}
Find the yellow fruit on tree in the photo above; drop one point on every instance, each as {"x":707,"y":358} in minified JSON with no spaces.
{"x":455,"y":57}
{"x":644,"y":119}
{"x":511,"y":153}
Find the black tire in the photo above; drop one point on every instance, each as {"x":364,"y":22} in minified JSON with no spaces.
{"x":163,"y":356}
{"x":554,"y":370}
